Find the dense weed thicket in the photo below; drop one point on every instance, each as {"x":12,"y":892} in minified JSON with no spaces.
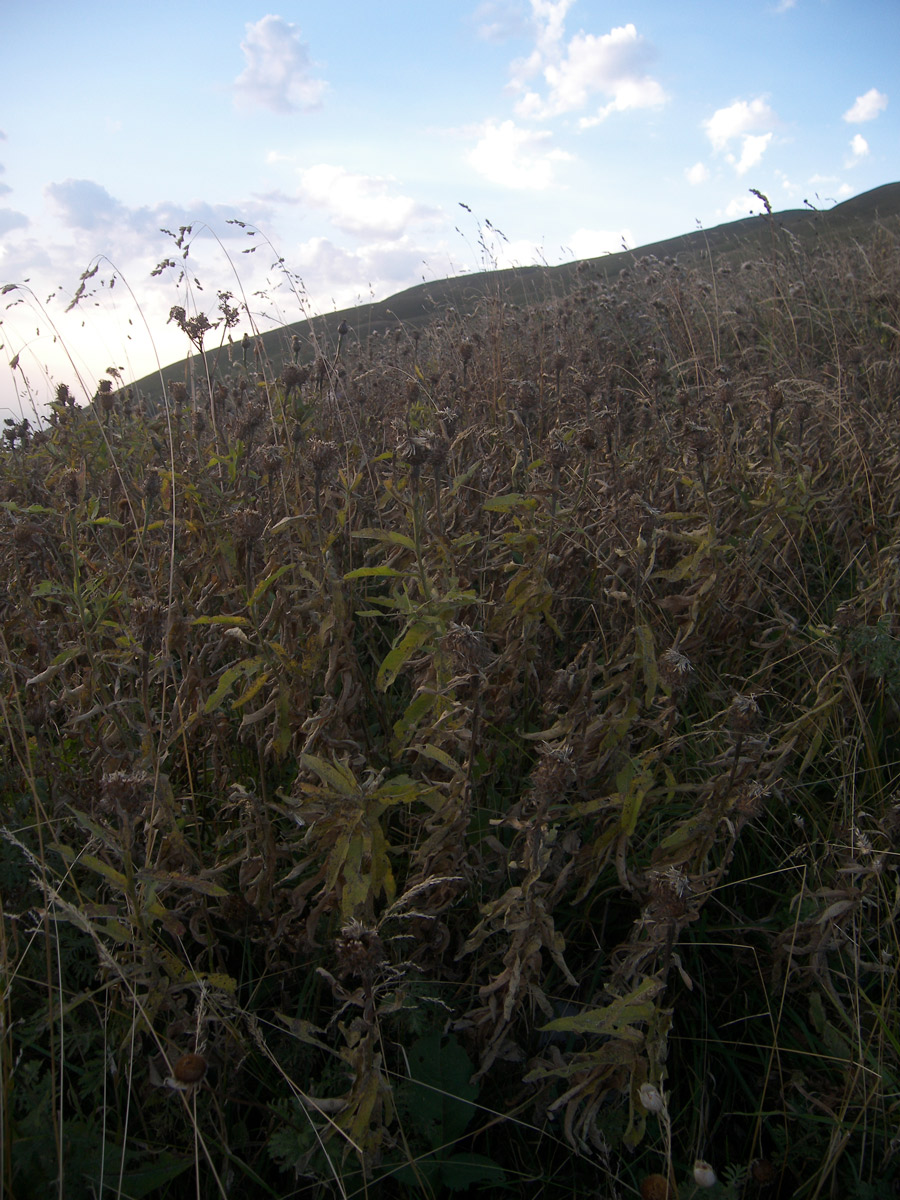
{"x":467,"y":758}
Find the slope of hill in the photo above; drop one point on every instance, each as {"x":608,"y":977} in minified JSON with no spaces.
{"x":727,"y":244}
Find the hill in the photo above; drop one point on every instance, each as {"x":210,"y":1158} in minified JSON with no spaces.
{"x":728,"y":244}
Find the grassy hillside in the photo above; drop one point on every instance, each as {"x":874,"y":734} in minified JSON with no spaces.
{"x":466,"y":759}
{"x":728,"y":245}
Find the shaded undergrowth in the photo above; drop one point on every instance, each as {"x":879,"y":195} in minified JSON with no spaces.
{"x":469,"y":759}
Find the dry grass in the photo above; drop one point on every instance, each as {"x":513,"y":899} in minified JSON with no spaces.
{"x":476,"y":750}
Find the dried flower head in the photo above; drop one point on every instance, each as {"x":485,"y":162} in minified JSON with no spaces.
{"x":704,"y":1175}
{"x":675,"y":670}
{"x":553,"y":773}
{"x":248,"y":524}
{"x":321,"y":454}
{"x":359,"y":952}
{"x":557,"y":453}
{"x":655,"y":1187}
{"x":652,"y":1099}
{"x":467,"y":648}
{"x":743,"y":713}
{"x":127,"y":793}
{"x":189,"y":1069}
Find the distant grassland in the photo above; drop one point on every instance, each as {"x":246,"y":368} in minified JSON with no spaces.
{"x":459,"y":755}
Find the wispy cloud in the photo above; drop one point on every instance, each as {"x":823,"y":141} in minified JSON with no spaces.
{"x":280,"y":73}
{"x":499,"y":20}
{"x":507,"y":154}
{"x":866,"y":107}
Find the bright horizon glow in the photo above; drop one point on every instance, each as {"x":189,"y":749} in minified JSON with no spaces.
{"x":347,"y":139}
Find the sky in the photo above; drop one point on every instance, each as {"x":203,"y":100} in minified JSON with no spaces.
{"x":326,"y":155}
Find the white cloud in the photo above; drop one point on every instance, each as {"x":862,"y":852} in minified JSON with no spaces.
{"x":698,"y":173}
{"x":753,"y":148}
{"x":515,"y":157}
{"x":83,"y":204}
{"x":366,"y":205}
{"x":612,"y":64}
{"x":11,"y":219}
{"x":497,"y":20}
{"x":279,"y":71}
{"x":742,"y":206}
{"x":86,"y":206}
{"x":866,"y":107}
{"x":740,"y":122}
{"x":859,"y":148}
{"x":592,"y":243}
{"x":738,"y":118}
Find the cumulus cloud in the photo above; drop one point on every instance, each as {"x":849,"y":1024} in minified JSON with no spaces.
{"x":83,"y":204}
{"x":592,"y":243}
{"x":741,"y":117}
{"x":698,"y":173}
{"x":739,"y":122}
{"x":333,"y":275}
{"x":859,"y":148}
{"x":279,"y":71}
{"x":866,"y":107}
{"x":753,"y":148}
{"x":742,"y":207}
{"x":366,"y":205}
{"x":515,"y":157}
{"x":612,"y":65}
{"x":87,"y":206}
{"x":11,"y":219}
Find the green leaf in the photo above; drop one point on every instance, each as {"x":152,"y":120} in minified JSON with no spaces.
{"x":144,"y":1181}
{"x":615,"y":1020}
{"x":228,"y":680}
{"x":395,"y":659}
{"x":388,"y":536}
{"x":373,"y":572}
{"x":263,"y":586}
{"x":333,"y":775}
{"x":465,"y":1170}
{"x":438,"y":1097}
{"x":510,"y":500}
{"x":177,"y":879}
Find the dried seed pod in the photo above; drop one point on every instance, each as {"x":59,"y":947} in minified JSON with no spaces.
{"x":655,"y":1187}
{"x":652,"y":1099}
{"x":743,"y":713}
{"x":704,"y":1175}
{"x":189,"y":1069}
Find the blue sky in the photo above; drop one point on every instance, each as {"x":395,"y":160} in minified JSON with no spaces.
{"x":349,"y":134}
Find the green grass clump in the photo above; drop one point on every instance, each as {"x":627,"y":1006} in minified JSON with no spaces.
{"x":466,"y":758}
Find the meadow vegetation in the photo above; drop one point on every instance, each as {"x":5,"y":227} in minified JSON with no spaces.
{"x":466,"y":758}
